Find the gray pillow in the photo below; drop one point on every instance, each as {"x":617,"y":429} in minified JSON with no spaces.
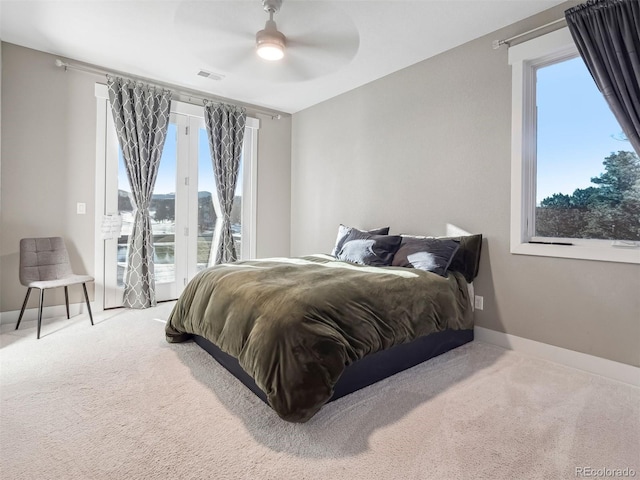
{"x":343,"y":231}
{"x":430,"y":254}
{"x":366,"y":249}
{"x":467,"y":258}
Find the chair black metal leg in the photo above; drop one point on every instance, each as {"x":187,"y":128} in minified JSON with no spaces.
{"x":66,"y":300}
{"x":40,"y":311}
{"x":24,"y":305}
{"x":86,"y":297}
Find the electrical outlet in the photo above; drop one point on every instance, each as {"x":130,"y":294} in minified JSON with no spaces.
{"x":479,"y":302}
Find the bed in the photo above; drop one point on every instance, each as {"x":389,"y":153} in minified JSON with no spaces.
{"x":300,"y":332}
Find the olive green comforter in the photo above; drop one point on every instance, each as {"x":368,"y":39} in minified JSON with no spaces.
{"x":294,"y":324}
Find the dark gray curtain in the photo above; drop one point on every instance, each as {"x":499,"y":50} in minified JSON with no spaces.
{"x":225,"y":128}
{"x":141,"y":116}
{"x":606,"y":33}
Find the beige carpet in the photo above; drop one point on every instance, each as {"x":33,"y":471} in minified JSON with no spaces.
{"x":114,"y":401}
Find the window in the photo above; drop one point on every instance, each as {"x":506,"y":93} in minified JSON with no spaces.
{"x":575,"y":177}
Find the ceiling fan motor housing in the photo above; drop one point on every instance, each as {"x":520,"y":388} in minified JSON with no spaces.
{"x":270,"y":35}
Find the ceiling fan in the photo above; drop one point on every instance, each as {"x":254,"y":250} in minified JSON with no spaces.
{"x":270,"y":43}
{"x":320,"y":38}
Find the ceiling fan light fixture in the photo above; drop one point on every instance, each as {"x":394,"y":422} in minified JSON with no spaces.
{"x":271,"y":52}
{"x":270,"y":43}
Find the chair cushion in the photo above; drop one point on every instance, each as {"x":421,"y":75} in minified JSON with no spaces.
{"x":61,"y":282}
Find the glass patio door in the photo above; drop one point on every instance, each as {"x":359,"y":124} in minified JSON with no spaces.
{"x":205,"y":222}
{"x":169,"y":251}
{"x":182,"y":210}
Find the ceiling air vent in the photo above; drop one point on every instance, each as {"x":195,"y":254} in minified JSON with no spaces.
{"x":210,"y":75}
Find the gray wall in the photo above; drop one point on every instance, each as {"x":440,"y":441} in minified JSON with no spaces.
{"x":48,"y":164}
{"x":274,"y":187}
{"x":430,"y":145}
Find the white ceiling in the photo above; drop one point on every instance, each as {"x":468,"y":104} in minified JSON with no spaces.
{"x":333,"y":46}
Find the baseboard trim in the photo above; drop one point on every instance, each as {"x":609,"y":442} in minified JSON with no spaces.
{"x":52,"y":311}
{"x":582,"y":361}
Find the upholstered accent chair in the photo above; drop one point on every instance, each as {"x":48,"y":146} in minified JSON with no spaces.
{"x":44,"y":263}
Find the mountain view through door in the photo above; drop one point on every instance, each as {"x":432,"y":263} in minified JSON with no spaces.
{"x":163,"y":210}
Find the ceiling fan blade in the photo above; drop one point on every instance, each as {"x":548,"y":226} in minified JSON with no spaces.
{"x":343,"y":46}
{"x":295,"y":70}
{"x":202,"y":21}
{"x":232,"y":59}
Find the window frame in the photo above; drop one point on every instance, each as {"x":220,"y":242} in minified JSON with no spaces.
{"x":525,"y":58}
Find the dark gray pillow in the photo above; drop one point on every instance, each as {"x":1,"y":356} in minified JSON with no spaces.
{"x":467,"y":258}
{"x":366,"y":249}
{"x":430,"y":254}
{"x":343,"y":231}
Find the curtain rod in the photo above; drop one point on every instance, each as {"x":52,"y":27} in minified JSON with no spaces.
{"x":192,"y":94}
{"x":507,"y":41}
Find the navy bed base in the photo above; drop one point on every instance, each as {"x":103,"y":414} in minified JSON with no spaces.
{"x":365,"y":371}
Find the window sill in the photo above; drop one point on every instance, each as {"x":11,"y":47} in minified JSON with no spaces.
{"x":582,"y":252}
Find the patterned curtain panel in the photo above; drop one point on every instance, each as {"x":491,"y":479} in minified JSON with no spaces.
{"x":225,"y":128}
{"x":141,"y":116}
{"x":607,"y":34}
